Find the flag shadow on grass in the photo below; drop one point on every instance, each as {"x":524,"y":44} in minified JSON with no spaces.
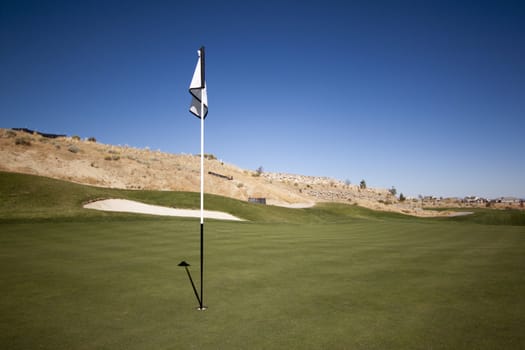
{"x":185,"y":265}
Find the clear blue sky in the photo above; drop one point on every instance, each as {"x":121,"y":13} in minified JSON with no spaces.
{"x":426,"y":96}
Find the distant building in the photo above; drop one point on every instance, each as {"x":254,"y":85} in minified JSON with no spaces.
{"x":509,"y":200}
{"x":475,"y":200}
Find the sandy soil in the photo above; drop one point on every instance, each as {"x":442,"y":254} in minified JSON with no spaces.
{"x":127,"y":206}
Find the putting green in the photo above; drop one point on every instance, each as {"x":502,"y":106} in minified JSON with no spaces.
{"x":332,"y":276}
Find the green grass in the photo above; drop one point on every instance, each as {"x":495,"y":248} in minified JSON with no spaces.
{"x":38,"y":198}
{"x":330,"y":277}
{"x":494,"y":217}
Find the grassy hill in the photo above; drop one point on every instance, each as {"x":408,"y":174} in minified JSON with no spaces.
{"x":35,"y":197}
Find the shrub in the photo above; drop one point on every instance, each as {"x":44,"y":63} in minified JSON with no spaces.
{"x":73,"y":149}
{"x":76,"y":137}
{"x":92,"y":139}
{"x":24,"y":141}
{"x":112,"y":157}
{"x":259,"y":171}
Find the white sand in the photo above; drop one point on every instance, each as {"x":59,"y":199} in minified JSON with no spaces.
{"x":127,"y":206}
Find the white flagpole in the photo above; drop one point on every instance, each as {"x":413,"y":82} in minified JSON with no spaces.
{"x":202,"y":307}
{"x":202,"y":207}
{"x":202,"y":165}
{"x":198,"y":93}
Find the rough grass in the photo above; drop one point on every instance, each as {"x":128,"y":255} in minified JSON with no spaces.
{"x":346,"y":278}
{"x":34,"y":197}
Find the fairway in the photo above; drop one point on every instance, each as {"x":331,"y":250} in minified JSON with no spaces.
{"x":367,"y":284}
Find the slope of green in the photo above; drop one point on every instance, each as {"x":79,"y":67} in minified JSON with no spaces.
{"x":34,"y":197}
{"x":27,"y":197}
{"x":494,"y":217}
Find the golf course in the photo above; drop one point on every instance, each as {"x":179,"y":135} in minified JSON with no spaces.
{"x":333,"y":276}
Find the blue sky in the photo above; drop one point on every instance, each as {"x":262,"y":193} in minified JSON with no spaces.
{"x":426,"y":96}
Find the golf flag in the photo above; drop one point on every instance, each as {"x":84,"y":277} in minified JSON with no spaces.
{"x":199,"y":108}
{"x":198,"y":89}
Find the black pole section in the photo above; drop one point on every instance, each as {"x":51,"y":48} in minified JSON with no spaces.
{"x":203,"y":71}
{"x":202,"y":266}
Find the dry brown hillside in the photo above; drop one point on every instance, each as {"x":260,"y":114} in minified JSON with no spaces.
{"x":89,"y":162}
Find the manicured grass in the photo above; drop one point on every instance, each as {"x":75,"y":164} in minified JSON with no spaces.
{"x":494,"y":217}
{"x":330,"y":277}
{"x":368,"y":285}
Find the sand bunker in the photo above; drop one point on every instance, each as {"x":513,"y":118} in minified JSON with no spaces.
{"x":127,"y":206}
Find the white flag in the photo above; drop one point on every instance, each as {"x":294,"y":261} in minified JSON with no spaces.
{"x":198,"y":88}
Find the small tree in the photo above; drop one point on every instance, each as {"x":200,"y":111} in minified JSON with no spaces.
{"x":393,"y":191}
{"x":362,"y":184}
{"x":402,"y":198}
{"x":259,"y":171}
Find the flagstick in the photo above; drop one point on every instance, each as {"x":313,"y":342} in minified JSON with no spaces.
{"x":198,"y":92}
{"x":202,"y":206}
